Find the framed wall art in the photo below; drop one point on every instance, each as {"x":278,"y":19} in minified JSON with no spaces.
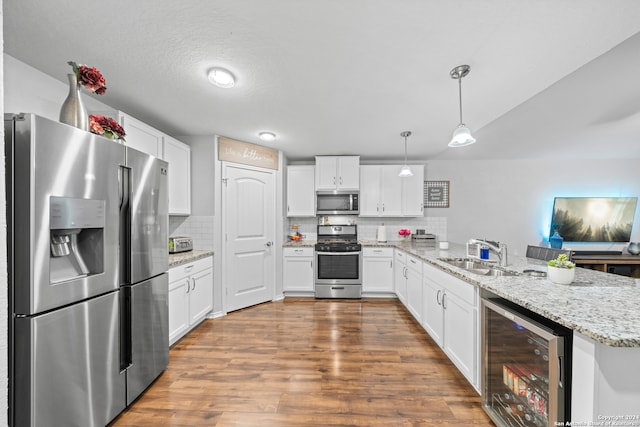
{"x":436,"y":194}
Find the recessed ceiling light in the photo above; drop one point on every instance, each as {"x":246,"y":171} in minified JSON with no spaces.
{"x":221,"y":77}
{"x":267,"y":136}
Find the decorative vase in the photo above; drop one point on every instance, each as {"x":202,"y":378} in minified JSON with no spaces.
{"x":561,"y":276}
{"x":634,"y":248}
{"x":73,"y":111}
{"x":556,"y":241}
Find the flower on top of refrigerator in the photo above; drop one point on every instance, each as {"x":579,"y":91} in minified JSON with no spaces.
{"x":106,"y":126}
{"x":90,"y":78}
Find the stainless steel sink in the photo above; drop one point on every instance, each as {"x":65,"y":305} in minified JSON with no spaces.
{"x":482,"y":268}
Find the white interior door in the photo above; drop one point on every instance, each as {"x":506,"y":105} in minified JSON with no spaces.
{"x":249,"y":226}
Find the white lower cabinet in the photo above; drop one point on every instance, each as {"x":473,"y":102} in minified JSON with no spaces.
{"x":414,"y":287}
{"x":400,"y":276}
{"x":298,"y":269}
{"x":408,"y":283}
{"x":451,"y":317}
{"x":377,"y":270}
{"x":190,"y":296}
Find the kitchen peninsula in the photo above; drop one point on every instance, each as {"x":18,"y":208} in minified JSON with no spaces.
{"x":600,"y":309}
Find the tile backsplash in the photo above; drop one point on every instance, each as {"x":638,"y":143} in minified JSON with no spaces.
{"x":199,"y":228}
{"x":368,"y":227}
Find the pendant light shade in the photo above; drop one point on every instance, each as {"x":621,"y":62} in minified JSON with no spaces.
{"x":405,"y":170}
{"x":461,"y":135}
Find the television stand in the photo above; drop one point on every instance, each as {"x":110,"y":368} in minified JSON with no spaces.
{"x":579,"y":253}
{"x":616,"y":263}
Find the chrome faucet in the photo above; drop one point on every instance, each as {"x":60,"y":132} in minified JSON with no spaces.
{"x":500,"y":249}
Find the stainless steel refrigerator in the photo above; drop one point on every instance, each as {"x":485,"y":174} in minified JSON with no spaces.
{"x":88,"y":292}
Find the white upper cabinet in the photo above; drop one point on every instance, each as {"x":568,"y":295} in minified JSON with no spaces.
{"x":384,"y":193}
{"x":380,"y":191}
{"x":337,"y":173}
{"x":178,"y":155}
{"x":140,"y":135}
{"x":149,"y":140}
{"x":413,"y":192}
{"x":301,"y":191}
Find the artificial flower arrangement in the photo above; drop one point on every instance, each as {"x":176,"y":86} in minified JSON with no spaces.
{"x":404,"y":232}
{"x":106,"y":126}
{"x":90,"y":78}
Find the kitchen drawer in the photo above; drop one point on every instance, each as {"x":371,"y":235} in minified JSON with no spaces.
{"x":297,"y":252}
{"x":185,"y":270}
{"x":401,"y":256}
{"x":414,"y":263}
{"x":463,"y":290}
{"x":377,"y":252}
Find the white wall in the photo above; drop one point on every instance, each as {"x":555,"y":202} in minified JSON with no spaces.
{"x":4,"y":300}
{"x":28,"y":90}
{"x":511,"y":200}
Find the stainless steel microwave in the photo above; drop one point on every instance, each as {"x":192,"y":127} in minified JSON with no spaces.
{"x":337,"y":202}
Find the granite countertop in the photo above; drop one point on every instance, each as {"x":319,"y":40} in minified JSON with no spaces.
{"x":299,"y":244}
{"x":185,"y":257}
{"x":599,"y":305}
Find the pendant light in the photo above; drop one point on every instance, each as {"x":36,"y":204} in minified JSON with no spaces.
{"x":405,"y":170}
{"x":462,"y":134}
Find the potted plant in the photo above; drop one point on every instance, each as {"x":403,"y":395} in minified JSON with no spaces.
{"x":561,"y":270}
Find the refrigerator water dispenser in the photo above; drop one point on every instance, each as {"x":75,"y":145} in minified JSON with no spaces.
{"x":76,"y":238}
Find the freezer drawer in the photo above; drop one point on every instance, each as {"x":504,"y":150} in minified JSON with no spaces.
{"x":149,"y":308}
{"x":68,"y":355}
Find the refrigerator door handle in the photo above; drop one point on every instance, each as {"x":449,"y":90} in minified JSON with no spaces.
{"x":126,"y":340}
{"x":124,"y":175}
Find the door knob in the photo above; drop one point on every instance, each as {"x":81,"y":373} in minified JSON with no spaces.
{"x":268,"y":244}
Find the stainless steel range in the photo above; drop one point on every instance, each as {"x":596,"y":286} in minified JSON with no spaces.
{"x":338,"y":266}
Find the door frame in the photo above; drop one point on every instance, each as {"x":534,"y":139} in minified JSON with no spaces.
{"x":219,"y":259}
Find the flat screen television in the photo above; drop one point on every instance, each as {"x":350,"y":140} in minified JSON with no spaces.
{"x":594,"y":219}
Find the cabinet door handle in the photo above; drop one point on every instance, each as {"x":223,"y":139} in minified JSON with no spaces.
{"x":340,"y":180}
{"x":383,"y":207}
{"x":390,"y":264}
{"x":438,"y":297}
{"x":188,"y":286}
{"x":311,"y":264}
{"x":193,"y":284}
{"x":334,"y":180}
{"x":444,"y":300}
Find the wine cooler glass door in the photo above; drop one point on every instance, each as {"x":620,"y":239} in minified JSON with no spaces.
{"x":523,"y":364}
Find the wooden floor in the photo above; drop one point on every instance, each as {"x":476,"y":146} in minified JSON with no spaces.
{"x":307,"y":362}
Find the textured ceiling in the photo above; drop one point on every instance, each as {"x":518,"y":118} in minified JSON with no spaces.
{"x":346,"y":77}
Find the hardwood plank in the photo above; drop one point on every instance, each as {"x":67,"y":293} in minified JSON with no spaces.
{"x":307,"y":362}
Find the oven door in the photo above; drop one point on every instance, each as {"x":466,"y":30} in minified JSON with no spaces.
{"x":338,"y":268}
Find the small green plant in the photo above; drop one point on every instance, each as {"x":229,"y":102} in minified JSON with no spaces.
{"x":561,"y":262}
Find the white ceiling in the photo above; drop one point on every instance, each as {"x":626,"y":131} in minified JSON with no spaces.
{"x":346,"y":77}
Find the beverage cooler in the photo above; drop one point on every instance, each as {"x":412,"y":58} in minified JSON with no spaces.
{"x":526,"y":362}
